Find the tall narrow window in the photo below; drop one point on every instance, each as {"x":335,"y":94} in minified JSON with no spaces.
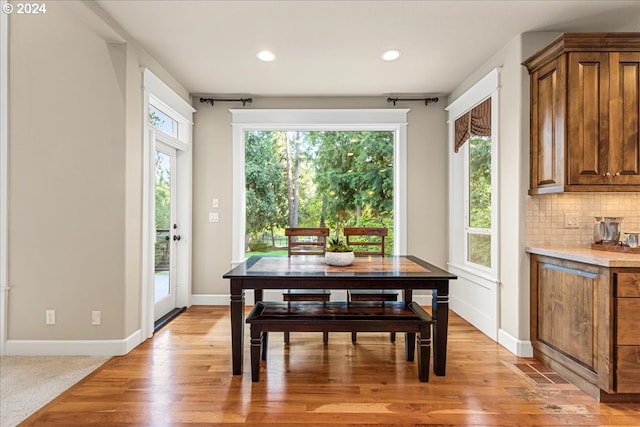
{"x":473,"y":129}
{"x":479,"y":202}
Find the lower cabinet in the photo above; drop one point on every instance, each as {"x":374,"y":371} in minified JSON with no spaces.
{"x":627,"y":342}
{"x":584,"y":320}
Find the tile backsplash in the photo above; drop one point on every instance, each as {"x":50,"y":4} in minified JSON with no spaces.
{"x":546,"y":216}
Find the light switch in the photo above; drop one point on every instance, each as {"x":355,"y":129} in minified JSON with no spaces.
{"x":214,"y":203}
{"x":213,"y":217}
{"x":571,"y":220}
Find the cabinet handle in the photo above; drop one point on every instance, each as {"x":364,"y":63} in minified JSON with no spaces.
{"x":617,"y":174}
{"x":606,"y":175}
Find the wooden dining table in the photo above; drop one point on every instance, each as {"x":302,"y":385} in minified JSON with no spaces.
{"x":310,"y":272}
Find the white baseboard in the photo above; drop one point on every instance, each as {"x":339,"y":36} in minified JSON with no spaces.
{"x":518,"y":347}
{"x":124,"y":346}
{"x":73,"y":347}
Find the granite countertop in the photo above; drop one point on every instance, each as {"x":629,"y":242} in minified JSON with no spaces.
{"x":588,"y":256}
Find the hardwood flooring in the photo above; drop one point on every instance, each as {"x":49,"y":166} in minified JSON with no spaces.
{"x":183,"y":377}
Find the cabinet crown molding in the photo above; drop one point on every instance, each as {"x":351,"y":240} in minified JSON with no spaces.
{"x":584,"y":42}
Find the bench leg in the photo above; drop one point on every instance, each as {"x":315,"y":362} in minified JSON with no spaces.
{"x":392,"y":337}
{"x":256,"y":342}
{"x":265,"y":345}
{"x":410,"y":345}
{"x":424,"y":352}
{"x":286,"y":337}
{"x":325,"y":337}
{"x":354,"y":336}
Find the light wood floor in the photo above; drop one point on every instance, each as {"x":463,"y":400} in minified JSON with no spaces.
{"x":183,"y":377}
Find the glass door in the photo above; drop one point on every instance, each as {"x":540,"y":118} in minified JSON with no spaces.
{"x":167,"y":231}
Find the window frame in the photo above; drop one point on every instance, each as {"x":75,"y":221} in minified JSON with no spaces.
{"x":468,"y":229}
{"x":394,"y":120}
{"x":487,"y":87}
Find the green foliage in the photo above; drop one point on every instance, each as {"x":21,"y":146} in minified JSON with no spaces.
{"x":163,"y":193}
{"x":155,"y":120}
{"x":265,"y":188}
{"x":319,"y":178}
{"x":480,"y":199}
{"x":480,"y":182}
{"x":337,"y":244}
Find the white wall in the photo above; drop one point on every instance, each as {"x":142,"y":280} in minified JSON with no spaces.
{"x":426,"y":176}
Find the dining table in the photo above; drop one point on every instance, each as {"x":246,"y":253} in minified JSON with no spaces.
{"x":405,"y":272}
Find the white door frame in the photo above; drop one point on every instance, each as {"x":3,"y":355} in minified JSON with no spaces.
{"x":161,"y":95}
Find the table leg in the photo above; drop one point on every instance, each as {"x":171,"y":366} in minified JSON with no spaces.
{"x":409,"y":338}
{"x":237,"y":325}
{"x":440,"y":312}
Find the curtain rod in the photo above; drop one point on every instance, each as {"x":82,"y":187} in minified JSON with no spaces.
{"x":212,"y":100}
{"x":426,"y":100}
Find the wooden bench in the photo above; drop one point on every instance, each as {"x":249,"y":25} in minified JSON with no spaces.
{"x":341,"y":316}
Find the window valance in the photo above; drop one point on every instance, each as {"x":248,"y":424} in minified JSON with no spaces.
{"x":476,"y":121}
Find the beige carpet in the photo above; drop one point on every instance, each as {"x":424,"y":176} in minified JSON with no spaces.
{"x":27,"y":383}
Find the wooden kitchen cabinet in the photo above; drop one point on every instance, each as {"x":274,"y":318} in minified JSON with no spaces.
{"x":584,"y":323}
{"x":585,"y":114}
{"x":627,"y":343}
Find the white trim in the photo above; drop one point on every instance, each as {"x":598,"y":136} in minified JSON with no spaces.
{"x":167,"y":97}
{"x":319,"y":119}
{"x":74,"y":347}
{"x":4,"y":175}
{"x":168,"y":139}
{"x":476,"y":94}
{"x":518,"y":347}
{"x":158,"y":93}
{"x":477,"y":299}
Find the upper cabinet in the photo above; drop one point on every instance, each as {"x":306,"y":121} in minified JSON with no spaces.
{"x":585,"y":114}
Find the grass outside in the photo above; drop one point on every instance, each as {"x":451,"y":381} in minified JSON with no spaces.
{"x":275,"y":252}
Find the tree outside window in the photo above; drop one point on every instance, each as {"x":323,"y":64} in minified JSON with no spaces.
{"x":316,"y":179}
{"x":479,"y":226}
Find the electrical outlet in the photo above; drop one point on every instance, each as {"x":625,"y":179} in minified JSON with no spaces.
{"x":213,"y":217}
{"x":571,"y":220}
{"x":96,"y":318}
{"x":50,"y":317}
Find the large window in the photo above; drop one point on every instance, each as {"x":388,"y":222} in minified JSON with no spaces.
{"x":316,"y":179}
{"x":336,"y":183}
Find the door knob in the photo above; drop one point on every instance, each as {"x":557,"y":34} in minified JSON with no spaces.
{"x":176,"y":237}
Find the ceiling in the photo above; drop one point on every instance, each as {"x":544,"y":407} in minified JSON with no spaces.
{"x":333,"y":48}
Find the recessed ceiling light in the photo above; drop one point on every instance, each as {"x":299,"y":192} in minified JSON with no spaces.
{"x":391,"y":55}
{"x":266,"y":56}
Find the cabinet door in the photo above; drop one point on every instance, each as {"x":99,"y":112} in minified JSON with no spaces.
{"x":548,"y":99}
{"x":624,"y":126}
{"x":588,"y":118}
{"x":566,"y":311}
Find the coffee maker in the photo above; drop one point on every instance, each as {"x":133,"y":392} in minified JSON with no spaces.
{"x":606,"y":230}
